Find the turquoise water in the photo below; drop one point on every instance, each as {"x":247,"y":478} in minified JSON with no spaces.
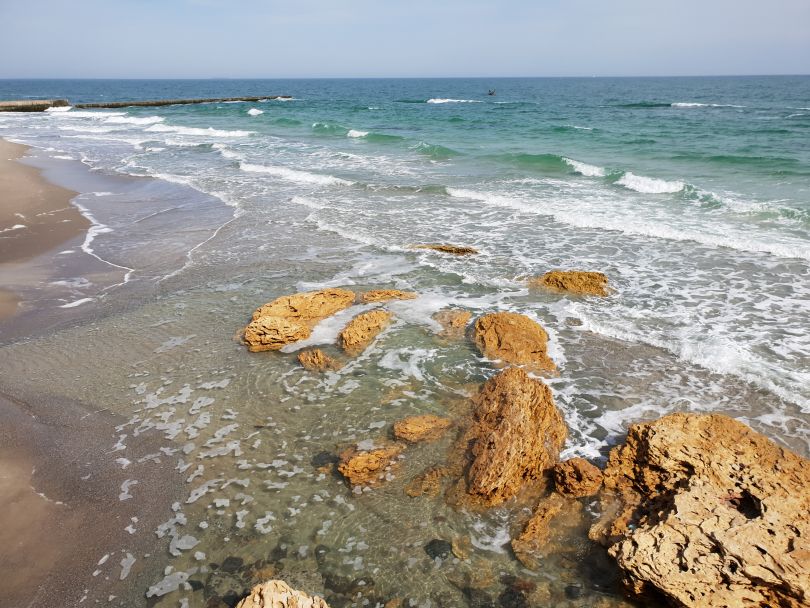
{"x":692,"y":194}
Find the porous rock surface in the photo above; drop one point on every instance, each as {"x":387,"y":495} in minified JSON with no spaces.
{"x":429,"y":483}
{"x":361,"y":330}
{"x":579,"y":282}
{"x":384,"y":295}
{"x":513,"y":338}
{"x":426,"y":427}
{"x":708,"y":513}
{"x":278,"y":594}
{"x":368,"y":467}
{"x":291,"y":318}
{"x":445,"y":248}
{"x":316,"y":360}
{"x":516,"y":434}
{"x":576,"y":478}
{"x":453,"y":322}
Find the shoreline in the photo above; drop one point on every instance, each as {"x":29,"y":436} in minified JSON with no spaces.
{"x":36,"y":216}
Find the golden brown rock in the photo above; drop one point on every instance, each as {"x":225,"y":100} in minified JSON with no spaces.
{"x":536,"y":532}
{"x":421,"y":428}
{"x":453,"y":322}
{"x":307,"y":307}
{"x":444,"y":248}
{"x":513,"y":338}
{"x":549,"y":530}
{"x":428,"y":483}
{"x":384,"y":295}
{"x":273,"y":333}
{"x":278,"y":594}
{"x":517,"y":434}
{"x":708,"y":513}
{"x":578,"y":282}
{"x":368,"y":467}
{"x":361,"y":330}
{"x":316,"y":360}
{"x":577,"y":478}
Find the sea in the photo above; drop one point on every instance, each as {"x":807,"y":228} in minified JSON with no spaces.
{"x":691,"y":194}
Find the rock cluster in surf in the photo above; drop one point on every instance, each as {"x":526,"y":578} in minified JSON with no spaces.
{"x":579,"y":282}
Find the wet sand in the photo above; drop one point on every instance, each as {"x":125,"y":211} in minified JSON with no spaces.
{"x":35,"y":216}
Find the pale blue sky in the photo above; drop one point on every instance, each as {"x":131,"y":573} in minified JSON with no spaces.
{"x":372,"y":38}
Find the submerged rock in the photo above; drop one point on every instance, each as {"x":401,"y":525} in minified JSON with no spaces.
{"x":445,"y":248}
{"x":517,"y":434}
{"x":578,"y":282}
{"x":513,"y":338}
{"x":278,"y":594}
{"x":316,"y":360}
{"x":577,"y":478}
{"x":421,"y":428}
{"x":291,"y":318}
{"x":368,"y":467}
{"x":428,"y":483}
{"x":362,"y":330}
{"x":309,"y":306}
{"x":274,"y":333}
{"x":535,"y":541}
{"x":384,"y":295}
{"x":707,"y":512}
{"x":438,"y":548}
{"x":453,"y":322}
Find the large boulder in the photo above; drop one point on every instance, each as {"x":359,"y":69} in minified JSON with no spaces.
{"x":291,"y":318}
{"x":307,"y":307}
{"x":579,"y":282}
{"x":453,"y":322}
{"x":576,"y":478}
{"x":426,"y":427}
{"x":513,"y":338}
{"x":516,"y":434}
{"x":362,"y":330}
{"x":708,"y":513}
{"x":278,"y":594}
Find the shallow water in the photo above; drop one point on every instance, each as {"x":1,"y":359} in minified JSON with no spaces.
{"x":698,"y":214}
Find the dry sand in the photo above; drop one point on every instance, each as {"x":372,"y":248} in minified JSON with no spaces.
{"x":35,"y":216}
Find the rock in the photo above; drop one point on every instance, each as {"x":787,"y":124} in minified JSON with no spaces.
{"x":513,"y":338}
{"x":536,"y":532}
{"x":307,"y":307}
{"x":453,"y":322}
{"x":461,"y":547}
{"x":361,"y":330}
{"x":273,"y":333}
{"x":517,"y":434}
{"x":278,"y":594}
{"x":428,"y":483}
{"x":384,"y":295}
{"x":316,"y":360}
{"x":576,"y":478}
{"x":578,"y":282}
{"x":438,"y":548}
{"x":548,"y":531}
{"x":444,"y":248}
{"x":291,"y":318}
{"x":368,"y":467}
{"x":706,"y":512}
{"x":323,"y":460}
{"x":421,"y":428}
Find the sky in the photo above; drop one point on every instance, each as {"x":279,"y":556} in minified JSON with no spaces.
{"x":401,"y":38}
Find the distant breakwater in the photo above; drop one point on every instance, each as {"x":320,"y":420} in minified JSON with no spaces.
{"x":40,"y":105}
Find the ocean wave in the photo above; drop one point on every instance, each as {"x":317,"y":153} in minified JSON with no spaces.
{"x":87,"y":128}
{"x":644,"y":104}
{"x":196,"y":131}
{"x":13,"y":228}
{"x":546,"y":163}
{"x":441,"y":100}
{"x":434,"y":151}
{"x":255,"y":112}
{"x":584,"y":168}
{"x":287,"y":122}
{"x":294,"y":175}
{"x":693,"y":104}
{"x":649,"y":185}
{"x":355,"y":133}
{"x":57,"y":110}
{"x":132,"y":120}
{"x":327,"y":128}
{"x":99,"y":115}
{"x":226,"y":152}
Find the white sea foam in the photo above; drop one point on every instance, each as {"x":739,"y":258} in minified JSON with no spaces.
{"x":76,"y":303}
{"x":356,"y":133}
{"x":294,"y":175}
{"x":441,"y":100}
{"x":56,"y":110}
{"x":133,"y":120}
{"x":226,"y":152}
{"x":649,"y":185}
{"x":196,"y":131}
{"x":14,"y":227}
{"x":255,"y":112}
{"x":584,"y":168}
{"x":691,"y":104}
